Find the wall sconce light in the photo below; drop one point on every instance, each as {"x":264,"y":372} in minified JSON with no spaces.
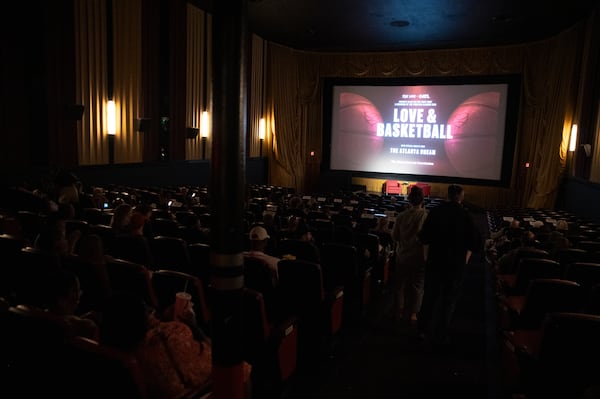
{"x":261,"y":133}
{"x":111,"y":118}
{"x":204,"y":126}
{"x":111,"y":129}
{"x":573,"y":140}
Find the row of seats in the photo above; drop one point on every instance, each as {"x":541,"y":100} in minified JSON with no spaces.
{"x":269,"y":345}
{"x":548,"y":304}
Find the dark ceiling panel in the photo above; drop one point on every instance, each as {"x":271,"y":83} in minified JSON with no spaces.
{"x":395,"y":25}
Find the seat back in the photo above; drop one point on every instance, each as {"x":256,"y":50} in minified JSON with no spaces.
{"x":259,"y":277}
{"x":525,"y":252}
{"x":530,"y":268}
{"x":106,"y":233}
{"x":200,"y":261}
{"x":367,"y":246}
{"x":585,"y":273}
{"x":320,"y":314}
{"x":34,"y":266}
{"x":99,"y":371}
{"x":589,"y":245}
{"x":566,"y":256}
{"x":546,"y":295}
{"x":340,"y":265}
{"x":31,"y":223}
{"x":301,"y":287}
{"x":134,"y":249}
{"x":568,"y":356}
{"x":592,"y":305}
{"x":10,"y":248}
{"x":132,"y":277}
{"x":166,"y":227}
{"x":271,"y":348}
{"x":93,"y":279}
{"x":323,"y":229}
{"x":31,"y":346}
{"x":95,"y":216}
{"x":302,"y":250}
{"x":170,"y":252}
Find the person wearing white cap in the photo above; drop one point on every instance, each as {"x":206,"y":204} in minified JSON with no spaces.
{"x":258,"y":242}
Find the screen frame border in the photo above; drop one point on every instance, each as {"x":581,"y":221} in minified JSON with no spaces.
{"x":514,"y":88}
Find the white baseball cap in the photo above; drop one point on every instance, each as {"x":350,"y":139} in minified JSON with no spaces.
{"x":258,"y":233}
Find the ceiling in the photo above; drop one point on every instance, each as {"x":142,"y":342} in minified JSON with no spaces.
{"x":396,"y":25}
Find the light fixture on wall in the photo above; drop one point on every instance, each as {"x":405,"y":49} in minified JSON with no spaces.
{"x":262,"y":127}
{"x":111,"y":118}
{"x":204,"y":126}
{"x":573,"y":139}
{"x":111,"y":129}
{"x":261,"y":133}
{"x":204,"y":117}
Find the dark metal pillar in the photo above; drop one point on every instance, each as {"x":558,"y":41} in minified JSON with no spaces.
{"x":227,"y":191}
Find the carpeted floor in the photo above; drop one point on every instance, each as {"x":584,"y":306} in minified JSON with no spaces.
{"x":383,"y":359}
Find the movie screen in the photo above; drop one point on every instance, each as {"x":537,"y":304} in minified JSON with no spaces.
{"x":461,"y":129}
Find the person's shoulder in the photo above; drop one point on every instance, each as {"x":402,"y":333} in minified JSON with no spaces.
{"x":173,"y":328}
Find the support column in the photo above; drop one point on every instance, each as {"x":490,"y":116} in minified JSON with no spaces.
{"x":227,"y":191}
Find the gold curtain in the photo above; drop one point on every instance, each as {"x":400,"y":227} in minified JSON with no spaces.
{"x":287,"y":167}
{"x":92,"y":79}
{"x":127,"y":53}
{"x":548,"y":116}
{"x":198,"y":87}
{"x":257,"y":98}
{"x":592,"y":50}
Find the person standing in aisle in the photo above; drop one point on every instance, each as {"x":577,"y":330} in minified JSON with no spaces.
{"x":449,"y":238}
{"x":409,"y":271}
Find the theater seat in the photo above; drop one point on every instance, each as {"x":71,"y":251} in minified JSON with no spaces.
{"x":559,"y":361}
{"x":393,"y":187}
{"x":543,"y":296}
{"x":131,"y":277}
{"x":270,"y":346}
{"x":319,"y":312}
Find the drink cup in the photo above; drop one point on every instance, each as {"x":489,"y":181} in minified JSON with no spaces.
{"x":181,"y":302}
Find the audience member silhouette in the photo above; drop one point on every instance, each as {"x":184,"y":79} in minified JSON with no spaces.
{"x":175,"y":356}
{"x":259,"y":239}
{"x":120,"y":219}
{"x":449,"y":236}
{"x":63,"y":293}
{"x":409,"y":271}
{"x":146,"y":210}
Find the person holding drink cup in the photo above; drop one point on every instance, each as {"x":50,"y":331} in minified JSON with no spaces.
{"x":175,"y":356}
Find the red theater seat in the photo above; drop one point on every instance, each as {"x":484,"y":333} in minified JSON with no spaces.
{"x":393,"y":187}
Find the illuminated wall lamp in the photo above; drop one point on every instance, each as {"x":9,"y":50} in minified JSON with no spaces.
{"x":111,"y":118}
{"x":573,"y":140}
{"x":204,"y":126}
{"x":261,"y":133}
{"x":111,"y":129}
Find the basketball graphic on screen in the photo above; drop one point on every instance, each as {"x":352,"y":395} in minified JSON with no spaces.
{"x":357,"y":142}
{"x":472,"y":149}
